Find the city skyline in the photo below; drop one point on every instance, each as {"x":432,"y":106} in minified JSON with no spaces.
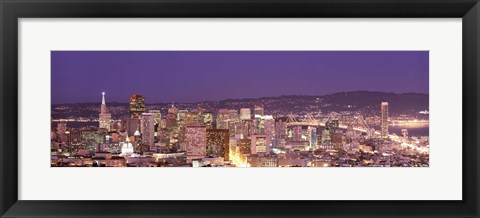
{"x":247,"y":137}
{"x":159,"y":75}
{"x":232,"y":123}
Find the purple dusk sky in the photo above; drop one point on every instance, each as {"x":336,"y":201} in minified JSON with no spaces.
{"x":192,"y":76}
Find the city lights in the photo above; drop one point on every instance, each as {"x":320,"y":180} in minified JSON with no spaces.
{"x":238,"y":138}
{"x":240,"y":109}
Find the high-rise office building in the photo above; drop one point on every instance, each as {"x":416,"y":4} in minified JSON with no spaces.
{"x":75,"y":138}
{"x":245,"y":114}
{"x":193,"y":117}
{"x":384,"y":119}
{"x":223,"y":117}
{"x":297,"y":133}
{"x":326,"y":136}
{"x":250,"y":127}
{"x":233,"y":115}
{"x":157,"y":119}
{"x":104,"y":118}
{"x":312,"y":137}
{"x":171,"y":119}
{"x":137,"y":105}
{"x":61,"y":129}
{"x":281,"y":127}
{"x":195,"y":142}
{"x":218,"y":143}
{"x":245,"y":146}
{"x":258,"y":110}
{"x":182,"y":118}
{"x":280,"y":135}
{"x":269,"y":126}
{"x":148,"y":130}
{"x":260,"y":144}
{"x":236,"y":128}
{"x":207,"y":118}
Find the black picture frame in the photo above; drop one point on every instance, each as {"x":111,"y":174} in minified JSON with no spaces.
{"x":12,"y":10}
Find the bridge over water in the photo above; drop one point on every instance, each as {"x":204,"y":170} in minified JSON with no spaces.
{"x":358,"y":124}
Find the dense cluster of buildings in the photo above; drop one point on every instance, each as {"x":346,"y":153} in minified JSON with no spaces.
{"x":246,"y":137}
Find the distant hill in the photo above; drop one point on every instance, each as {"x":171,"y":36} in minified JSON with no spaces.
{"x":367,"y":102}
{"x":398,"y":103}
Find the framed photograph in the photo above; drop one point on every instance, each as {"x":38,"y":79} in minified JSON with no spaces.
{"x":224,"y":108}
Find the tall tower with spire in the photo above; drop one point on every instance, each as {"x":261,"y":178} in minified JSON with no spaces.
{"x":104,"y":118}
{"x":103,"y":108}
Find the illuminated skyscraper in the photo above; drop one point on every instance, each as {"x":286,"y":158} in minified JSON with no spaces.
{"x":195,"y":142}
{"x":223,"y":116}
{"x":281,"y":127}
{"x":269,"y":126}
{"x":192,"y":117}
{"x":137,"y":106}
{"x":312,"y":137}
{"x":260,"y":144}
{"x":233,"y":122}
{"x":326,"y":136}
{"x":233,"y":115}
{"x":61,"y":130}
{"x":218,"y":143}
{"x":182,"y":118}
{"x":171,"y":116}
{"x":245,"y":114}
{"x":245,"y":146}
{"x":104,"y":119}
{"x":384,"y":119}
{"x":207,"y":118}
{"x":148,"y":130}
{"x":297,"y":133}
{"x":157,"y":118}
{"x":280,"y":131}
